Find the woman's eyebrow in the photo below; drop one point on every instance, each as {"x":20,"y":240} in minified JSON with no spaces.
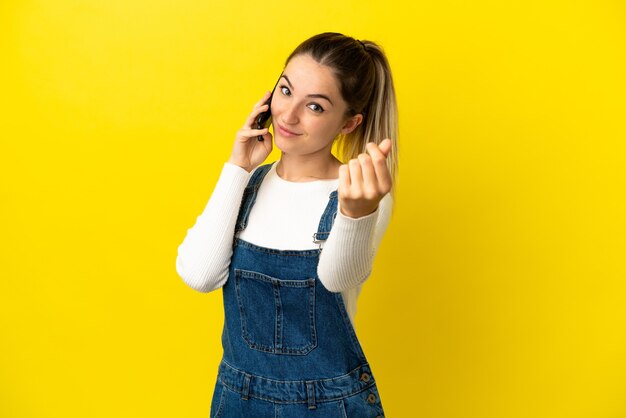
{"x":319,"y":96}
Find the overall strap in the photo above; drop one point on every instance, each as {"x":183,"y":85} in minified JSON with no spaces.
{"x":249,"y":196}
{"x":327,"y":219}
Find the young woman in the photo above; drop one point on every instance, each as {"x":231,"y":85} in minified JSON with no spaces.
{"x":291,"y":243}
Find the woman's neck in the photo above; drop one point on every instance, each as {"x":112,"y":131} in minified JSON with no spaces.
{"x":297,"y":168}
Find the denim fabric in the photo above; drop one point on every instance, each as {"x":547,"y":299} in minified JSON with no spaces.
{"x":289,"y":347}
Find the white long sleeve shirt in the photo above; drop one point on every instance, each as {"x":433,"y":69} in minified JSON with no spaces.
{"x":284,"y":216}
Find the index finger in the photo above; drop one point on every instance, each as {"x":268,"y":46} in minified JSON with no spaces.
{"x":264,"y":99}
{"x":253,"y":116}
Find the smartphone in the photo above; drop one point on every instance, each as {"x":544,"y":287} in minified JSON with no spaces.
{"x":264,"y":120}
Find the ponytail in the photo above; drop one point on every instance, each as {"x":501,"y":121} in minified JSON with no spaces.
{"x":380,"y":115}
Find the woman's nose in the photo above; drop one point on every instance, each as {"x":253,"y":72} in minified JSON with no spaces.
{"x":290,"y":114}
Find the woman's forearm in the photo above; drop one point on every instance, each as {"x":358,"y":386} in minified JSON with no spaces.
{"x":348,"y":255}
{"x":204,"y":255}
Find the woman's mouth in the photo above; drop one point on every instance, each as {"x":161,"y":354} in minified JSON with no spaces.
{"x":286,"y":132}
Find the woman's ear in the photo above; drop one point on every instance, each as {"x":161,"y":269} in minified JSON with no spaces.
{"x":351,"y":124}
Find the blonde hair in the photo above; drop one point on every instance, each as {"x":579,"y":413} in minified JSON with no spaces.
{"x":366,"y":85}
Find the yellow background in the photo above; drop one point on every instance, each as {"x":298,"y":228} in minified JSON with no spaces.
{"x":499,"y":290}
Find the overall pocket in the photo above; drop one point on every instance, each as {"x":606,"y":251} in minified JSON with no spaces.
{"x":277,"y":316}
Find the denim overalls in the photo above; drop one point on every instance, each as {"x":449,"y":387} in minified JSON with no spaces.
{"x":290,"y":350}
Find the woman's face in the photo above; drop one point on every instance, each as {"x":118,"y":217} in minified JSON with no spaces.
{"x":308,"y":111}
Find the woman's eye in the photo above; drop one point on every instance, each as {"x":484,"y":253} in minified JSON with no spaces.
{"x":313,"y":106}
{"x":316,"y":108}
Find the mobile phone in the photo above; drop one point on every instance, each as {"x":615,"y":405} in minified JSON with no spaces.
{"x":264,"y":120}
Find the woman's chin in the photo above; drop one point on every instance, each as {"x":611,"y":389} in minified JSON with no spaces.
{"x":283,"y":143}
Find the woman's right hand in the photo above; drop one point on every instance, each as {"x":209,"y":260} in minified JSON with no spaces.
{"x":248,"y":152}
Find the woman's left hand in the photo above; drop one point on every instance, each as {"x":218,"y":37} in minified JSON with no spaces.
{"x":364,"y":181}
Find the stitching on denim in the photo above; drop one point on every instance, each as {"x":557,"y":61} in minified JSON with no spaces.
{"x":312,"y":314}
{"x":249,"y":196}
{"x":278,"y":331}
{"x":250,"y":274}
{"x":245,"y":390}
{"x":310,"y":395}
{"x":286,"y":253}
{"x":320,"y":400}
{"x":327,"y":219}
{"x":242,"y":315}
{"x":220,"y":408}
{"x":343,"y":411}
{"x":349,"y":326}
{"x":278,"y":321}
{"x":364,"y":365}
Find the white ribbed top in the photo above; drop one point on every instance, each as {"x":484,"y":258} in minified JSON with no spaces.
{"x":284,"y":216}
